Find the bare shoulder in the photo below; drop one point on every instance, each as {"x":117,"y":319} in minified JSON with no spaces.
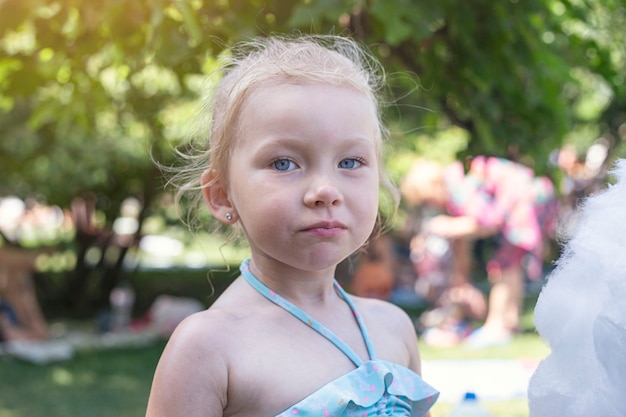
{"x":392,"y":331}
{"x":191,"y":378}
{"x":386,"y":314}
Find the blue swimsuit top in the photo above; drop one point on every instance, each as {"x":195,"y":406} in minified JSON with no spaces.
{"x":375,"y":388}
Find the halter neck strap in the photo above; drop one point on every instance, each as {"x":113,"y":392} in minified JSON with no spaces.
{"x":310,"y":321}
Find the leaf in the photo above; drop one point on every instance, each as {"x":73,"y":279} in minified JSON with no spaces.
{"x":190,"y":20}
{"x":393,"y":15}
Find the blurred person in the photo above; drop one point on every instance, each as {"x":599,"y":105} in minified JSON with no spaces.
{"x":442,"y":268}
{"x":21,"y":317}
{"x":584,"y":175}
{"x":497,"y":199}
{"x":20,"y":314}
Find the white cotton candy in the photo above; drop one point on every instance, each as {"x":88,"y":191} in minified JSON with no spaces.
{"x":581,"y":315}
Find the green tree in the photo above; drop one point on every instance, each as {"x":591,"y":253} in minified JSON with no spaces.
{"x":511,"y":74}
{"x":91,"y":91}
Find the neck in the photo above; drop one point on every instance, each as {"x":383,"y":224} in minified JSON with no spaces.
{"x":299,"y":287}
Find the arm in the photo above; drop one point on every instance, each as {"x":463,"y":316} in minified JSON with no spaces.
{"x":191,"y":377}
{"x":460,"y":227}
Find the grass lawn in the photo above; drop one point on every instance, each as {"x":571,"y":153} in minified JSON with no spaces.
{"x":513,"y":408}
{"x":527,"y":346}
{"x":103,"y":383}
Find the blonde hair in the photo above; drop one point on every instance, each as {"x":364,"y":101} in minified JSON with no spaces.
{"x":422,"y":178}
{"x":303,"y":59}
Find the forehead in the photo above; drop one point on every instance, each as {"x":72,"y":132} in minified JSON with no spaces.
{"x":311,"y":95}
{"x":299,"y":84}
{"x":309,"y":106}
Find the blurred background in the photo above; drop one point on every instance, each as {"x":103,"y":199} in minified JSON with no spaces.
{"x":93,"y":93}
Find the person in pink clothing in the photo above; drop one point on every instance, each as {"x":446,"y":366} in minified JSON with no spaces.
{"x":495,"y":198}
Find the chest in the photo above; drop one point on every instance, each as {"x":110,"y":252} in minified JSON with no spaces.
{"x":278,"y":371}
{"x":275,"y":364}
{"x":275,"y":360}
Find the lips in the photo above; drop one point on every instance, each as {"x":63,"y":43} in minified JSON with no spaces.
{"x":325,"y":229}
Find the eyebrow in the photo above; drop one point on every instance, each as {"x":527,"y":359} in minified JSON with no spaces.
{"x":289,"y":141}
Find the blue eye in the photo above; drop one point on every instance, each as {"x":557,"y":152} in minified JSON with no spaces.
{"x":283,"y":164}
{"x":350,"y":163}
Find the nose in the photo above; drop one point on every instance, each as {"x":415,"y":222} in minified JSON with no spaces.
{"x":322,"y":193}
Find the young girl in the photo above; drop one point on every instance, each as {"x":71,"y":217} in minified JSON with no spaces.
{"x":294,"y":160}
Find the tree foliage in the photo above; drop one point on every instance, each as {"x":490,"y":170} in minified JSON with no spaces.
{"x":90,"y":92}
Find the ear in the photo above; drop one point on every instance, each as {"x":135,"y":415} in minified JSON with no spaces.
{"x":216,"y":197}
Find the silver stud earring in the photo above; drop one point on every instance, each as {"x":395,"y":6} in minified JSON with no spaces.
{"x":229,"y":216}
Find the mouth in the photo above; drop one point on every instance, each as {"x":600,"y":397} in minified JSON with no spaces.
{"x":325,"y":229}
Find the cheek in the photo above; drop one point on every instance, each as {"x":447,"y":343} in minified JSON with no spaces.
{"x":261,"y":208}
{"x":366,"y":205}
